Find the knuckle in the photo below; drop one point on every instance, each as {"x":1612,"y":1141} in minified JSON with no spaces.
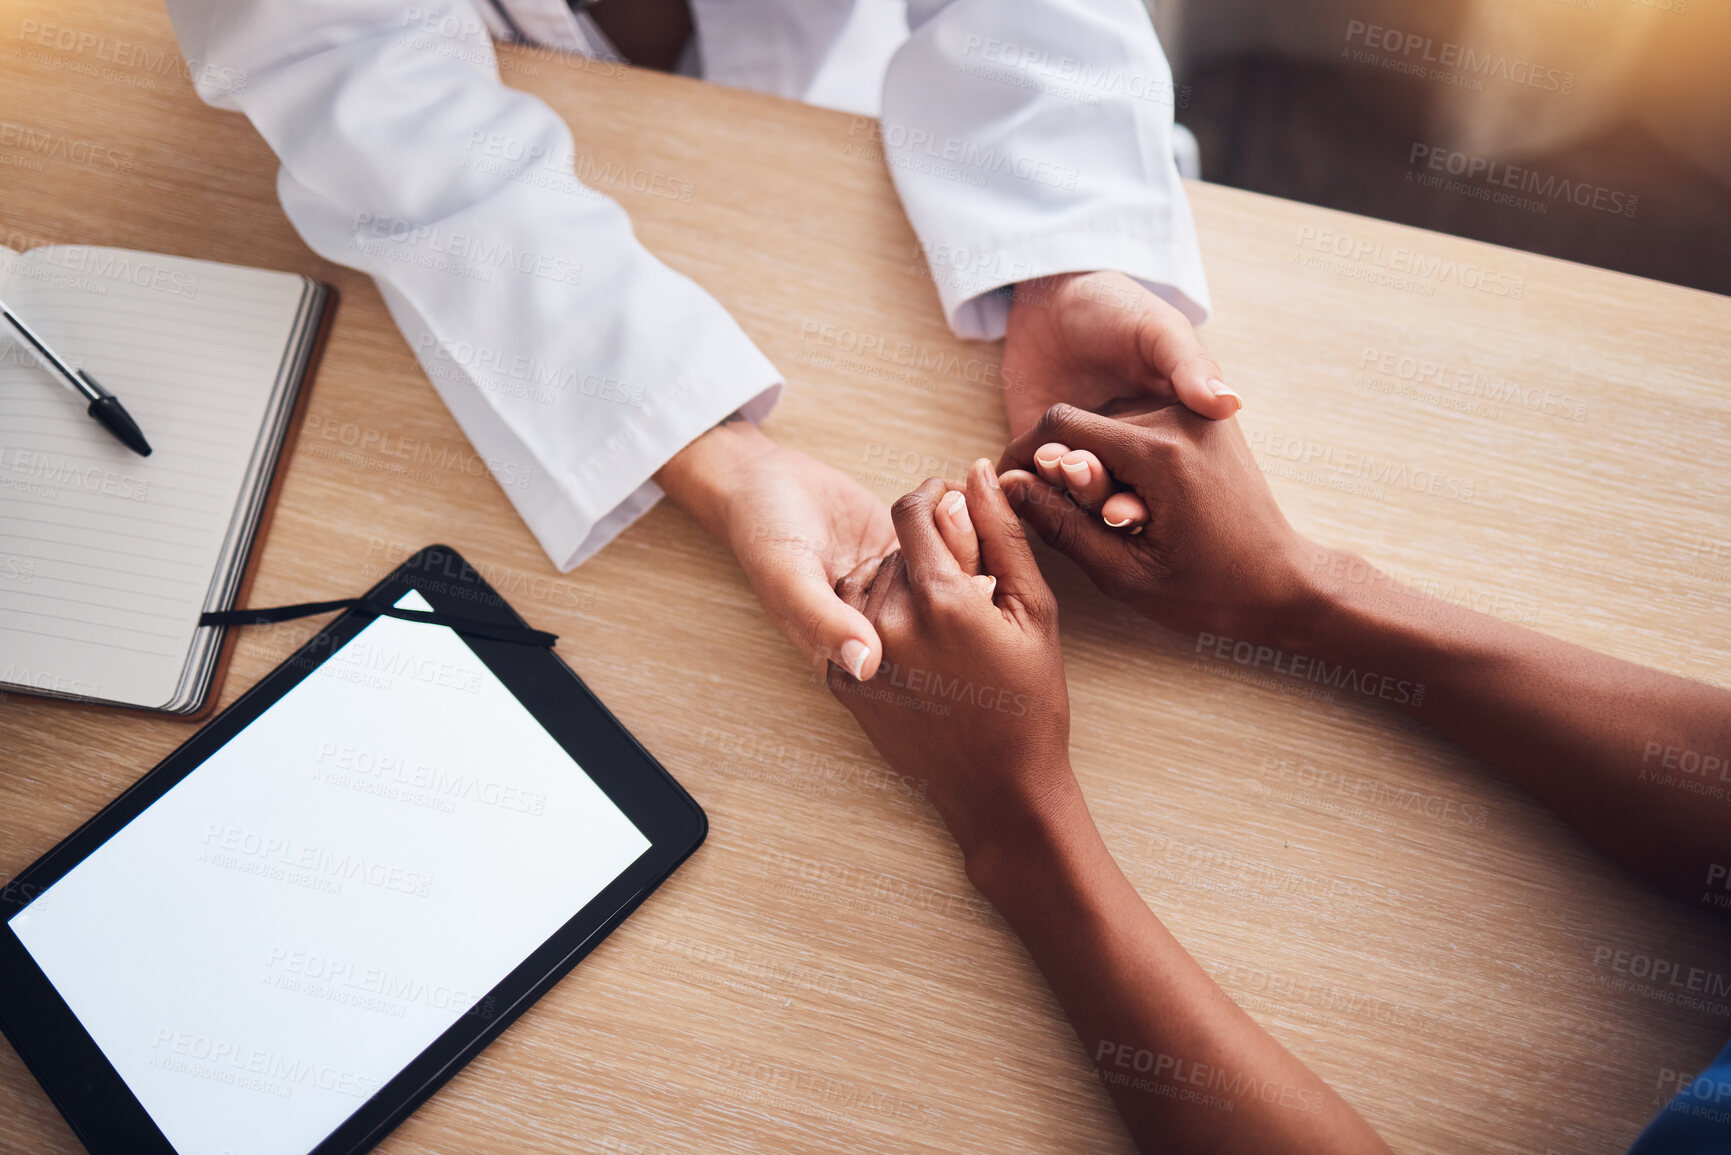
{"x":920,"y":575}
{"x":896,"y":624}
{"x":1004,"y":524}
{"x":908,"y":504}
{"x":1058,"y":418}
{"x":808,"y":629}
{"x":946,"y":590}
{"x":1061,"y":534}
{"x":1165,"y":440}
{"x":1198,"y":362}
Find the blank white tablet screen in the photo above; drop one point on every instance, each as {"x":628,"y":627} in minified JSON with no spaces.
{"x":302,"y":915}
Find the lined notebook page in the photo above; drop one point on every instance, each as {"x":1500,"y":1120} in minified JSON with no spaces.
{"x":106,"y":557}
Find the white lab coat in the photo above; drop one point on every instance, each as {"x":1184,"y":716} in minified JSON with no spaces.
{"x":1025,"y":137}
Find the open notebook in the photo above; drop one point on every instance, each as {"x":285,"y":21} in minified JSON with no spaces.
{"x":107,"y":559}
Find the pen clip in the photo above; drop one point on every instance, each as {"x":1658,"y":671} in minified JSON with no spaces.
{"x":92,"y":387}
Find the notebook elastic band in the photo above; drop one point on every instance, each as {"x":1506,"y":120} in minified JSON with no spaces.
{"x":497,"y":631}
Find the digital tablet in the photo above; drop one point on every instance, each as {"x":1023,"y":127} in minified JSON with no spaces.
{"x":290,"y":933}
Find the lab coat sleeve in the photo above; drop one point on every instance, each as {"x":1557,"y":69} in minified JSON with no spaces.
{"x":575,"y":361}
{"x":1034,"y":138}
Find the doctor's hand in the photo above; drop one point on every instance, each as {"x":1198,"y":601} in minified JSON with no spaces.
{"x":971,"y":695}
{"x":1217,"y":554}
{"x":1088,"y":338}
{"x":796,"y":525}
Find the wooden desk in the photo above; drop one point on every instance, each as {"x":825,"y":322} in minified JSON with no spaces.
{"x":821,"y":976}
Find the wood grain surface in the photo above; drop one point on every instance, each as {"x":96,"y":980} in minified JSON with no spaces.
{"x":1540,"y":440}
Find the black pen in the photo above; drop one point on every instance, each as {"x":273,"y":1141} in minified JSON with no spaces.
{"x":104,"y":406}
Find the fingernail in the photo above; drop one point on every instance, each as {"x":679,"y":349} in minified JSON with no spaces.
{"x":957,"y":511}
{"x":853,"y":655}
{"x":1117,"y":524}
{"x":1077,"y":471}
{"x":1220,"y":389}
{"x":953,"y":502}
{"x":986,"y":583}
{"x":985,"y":465}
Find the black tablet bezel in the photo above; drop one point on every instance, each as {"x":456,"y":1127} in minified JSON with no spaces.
{"x":78,"y":1077}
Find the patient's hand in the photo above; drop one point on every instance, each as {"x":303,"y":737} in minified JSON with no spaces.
{"x":1217,"y":554}
{"x":1088,"y":338}
{"x":970,"y":695}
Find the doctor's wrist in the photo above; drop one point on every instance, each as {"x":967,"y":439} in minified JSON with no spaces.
{"x":702,"y":477}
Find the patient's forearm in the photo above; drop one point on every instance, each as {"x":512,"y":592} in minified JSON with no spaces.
{"x":1637,"y":760}
{"x":1186,"y":1067}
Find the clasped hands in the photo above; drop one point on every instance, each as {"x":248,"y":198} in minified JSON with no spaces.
{"x":798,"y":525}
{"x":1162,"y":506}
{"x":933,"y":621}
{"x":971,"y":695}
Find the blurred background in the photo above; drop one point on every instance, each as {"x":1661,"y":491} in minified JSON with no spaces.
{"x":1594,"y":130}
